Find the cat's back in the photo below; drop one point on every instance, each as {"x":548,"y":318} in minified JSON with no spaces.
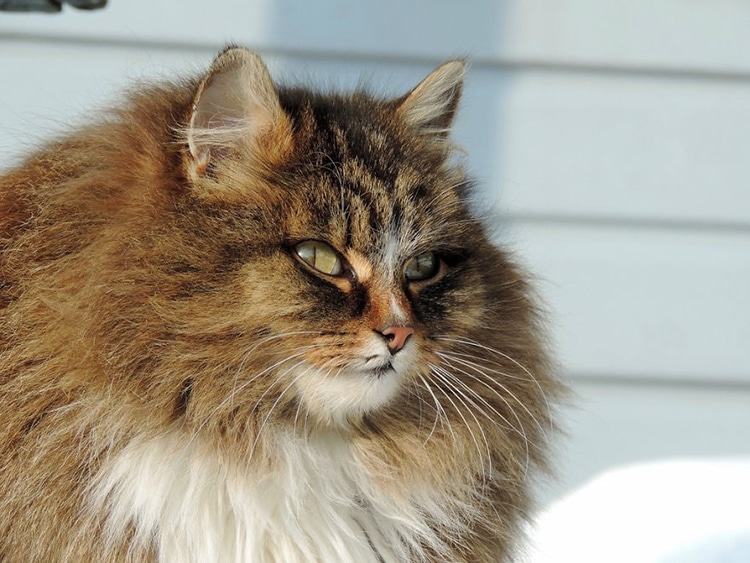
{"x":75,"y":189}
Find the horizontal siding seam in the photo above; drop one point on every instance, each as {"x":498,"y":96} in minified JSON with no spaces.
{"x":513,"y":219}
{"x":662,"y":382}
{"x":499,"y":63}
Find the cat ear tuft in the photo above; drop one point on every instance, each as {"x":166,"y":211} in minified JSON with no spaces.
{"x":235,"y":107}
{"x":432,"y":105}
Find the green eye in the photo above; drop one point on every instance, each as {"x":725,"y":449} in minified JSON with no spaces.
{"x":421,"y":267}
{"x":320,"y":256}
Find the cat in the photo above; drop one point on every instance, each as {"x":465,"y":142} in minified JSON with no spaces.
{"x":249,"y":322}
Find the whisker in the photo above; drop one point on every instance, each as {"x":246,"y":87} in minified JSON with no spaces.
{"x":300,"y":403}
{"x":478,"y":371}
{"x":446,"y":358}
{"x":440,"y":413}
{"x":520,"y":429}
{"x":421,"y":402}
{"x":491,"y":350}
{"x":235,"y":389}
{"x":276,"y":402}
{"x":438,"y":372}
{"x":266,"y":340}
{"x":532,"y":377}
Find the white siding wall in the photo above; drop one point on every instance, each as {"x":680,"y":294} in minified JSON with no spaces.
{"x":613,"y":138}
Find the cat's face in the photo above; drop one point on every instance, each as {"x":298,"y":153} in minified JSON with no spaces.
{"x":361,"y":265}
{"x":376,"y":266}
{"x":361,"y":256}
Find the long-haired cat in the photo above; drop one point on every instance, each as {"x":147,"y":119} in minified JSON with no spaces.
{"x":242,"y":322}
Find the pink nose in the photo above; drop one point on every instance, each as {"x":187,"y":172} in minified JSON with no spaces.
{"x":396,"y":336}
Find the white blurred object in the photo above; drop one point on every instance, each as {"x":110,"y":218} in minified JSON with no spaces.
{"x":693,"y":511}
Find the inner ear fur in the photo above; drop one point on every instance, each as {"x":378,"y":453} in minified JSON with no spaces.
{"x":235,"y":115}
{"x":430,"y":108}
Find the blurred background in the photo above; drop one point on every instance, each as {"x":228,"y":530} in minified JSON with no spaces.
{"x":611,"y":140}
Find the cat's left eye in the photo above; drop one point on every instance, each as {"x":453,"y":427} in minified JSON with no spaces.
{"x":320,"y":256}
{"x":422,"y":267}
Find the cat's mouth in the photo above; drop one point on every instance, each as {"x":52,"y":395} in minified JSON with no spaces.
{"x":364,"y":385}
{"x":381,"y":371}
{"x":377,"y":366}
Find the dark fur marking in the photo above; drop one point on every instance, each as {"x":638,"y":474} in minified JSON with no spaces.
{"x":183,"y":398}
{"x":34,"y":422}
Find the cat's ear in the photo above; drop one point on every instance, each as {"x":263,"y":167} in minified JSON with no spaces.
{"x":431,"y":106}
{"x":235,"y":114}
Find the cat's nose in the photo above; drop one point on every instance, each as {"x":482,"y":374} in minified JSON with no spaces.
{"x":396,"y":336}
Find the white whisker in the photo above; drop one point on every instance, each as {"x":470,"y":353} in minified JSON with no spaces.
{"x":447,"y":359}
{"x":520,"y":429}
{"x":447,"y":378}
{"x":440,"y":413}
{"x":237,"y":389}
{"x":259,"y":432}
{"x":531,"y":376}
{"x":478,"y":370}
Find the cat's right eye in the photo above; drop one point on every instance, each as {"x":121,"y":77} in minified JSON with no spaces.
{"x":320,"y":256}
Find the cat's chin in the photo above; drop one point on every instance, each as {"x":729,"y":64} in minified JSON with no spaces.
{"x":347,"y":395}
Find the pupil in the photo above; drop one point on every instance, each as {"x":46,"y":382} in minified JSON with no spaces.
{"x":421,"y":266}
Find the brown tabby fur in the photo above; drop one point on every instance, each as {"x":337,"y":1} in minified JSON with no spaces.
{"x":141,"y":287}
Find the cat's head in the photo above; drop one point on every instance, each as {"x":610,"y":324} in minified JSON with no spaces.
{"x":339,"y":232}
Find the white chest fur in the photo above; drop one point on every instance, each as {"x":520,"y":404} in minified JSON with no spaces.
{"x":318,"y":504}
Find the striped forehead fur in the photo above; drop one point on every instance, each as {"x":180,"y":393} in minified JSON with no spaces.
{"x":384,"y":179}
